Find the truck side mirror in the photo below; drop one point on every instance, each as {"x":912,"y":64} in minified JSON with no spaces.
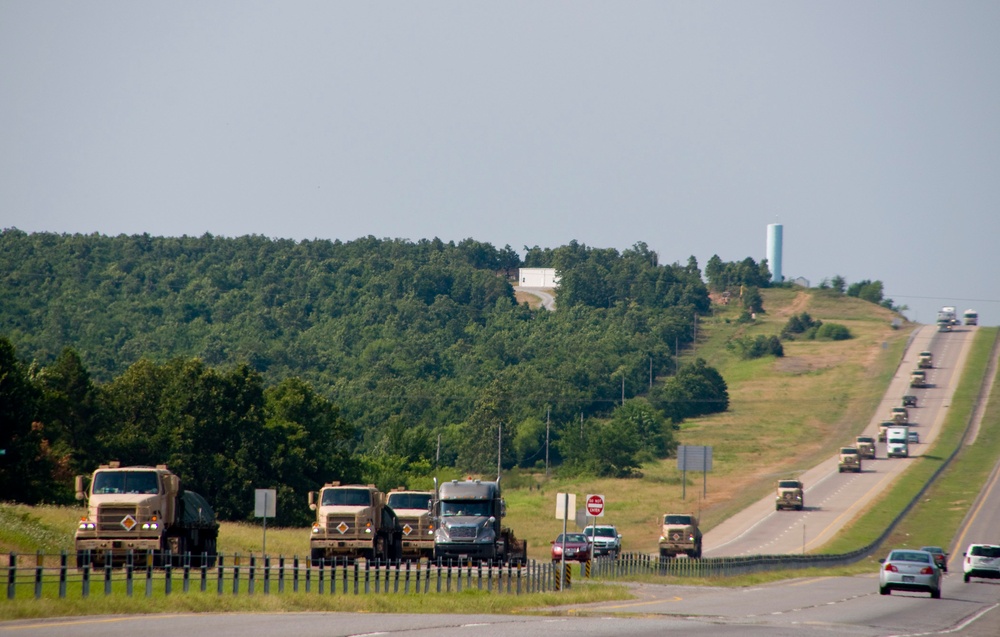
{"x":312,"y":500}
{"x":78,"y":485}
{"x":503,"y":508}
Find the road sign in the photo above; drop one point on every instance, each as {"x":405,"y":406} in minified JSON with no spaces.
{"x":595,"y":505}
{"x":565,"y":505}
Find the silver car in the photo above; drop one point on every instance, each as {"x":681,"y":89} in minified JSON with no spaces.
{"x":909,"y":570}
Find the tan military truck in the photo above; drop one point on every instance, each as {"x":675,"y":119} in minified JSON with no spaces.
{"x":353,"y":521}
{"x":918,"y":378}
{"x":866,"y":446}
{"x":791,"y":495}
{"x":899,"y":415}
{"x":925,"y":360}
{"x":413,"y":508}
{"x":680,"y":535}
{"x":850,"y":460}
{"x":143,"y":509}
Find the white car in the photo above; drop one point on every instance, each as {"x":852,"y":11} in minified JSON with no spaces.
{"x":605,"y":539}
{"x":981,"y":560}
{"x":909,"y":570}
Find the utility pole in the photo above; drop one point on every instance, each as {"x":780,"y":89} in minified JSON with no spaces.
{"x":499,"y":446}
{"x":548,"y":414}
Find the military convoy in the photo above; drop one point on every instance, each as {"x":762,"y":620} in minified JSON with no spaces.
{"x":680,"y":535}
{"x":791,"y":495}
{"x":353,"y":521}
{"x":138,"y":509}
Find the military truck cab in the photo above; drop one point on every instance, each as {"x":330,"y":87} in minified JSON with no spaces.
{"x":850,"y":460}
{"x":866,"y":447}
{"x":918,"y":378}
{"x":680,"y":535}
{"x":900,"y":415}
{"x":925,"y":360}
{"x":413,"y":508}
{"x":353,"y":521}
{"x":791,"y":495}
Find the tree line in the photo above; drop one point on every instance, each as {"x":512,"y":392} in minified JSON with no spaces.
{"x":405,"y":356}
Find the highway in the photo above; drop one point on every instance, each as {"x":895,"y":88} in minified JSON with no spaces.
{"x":833,"y":499}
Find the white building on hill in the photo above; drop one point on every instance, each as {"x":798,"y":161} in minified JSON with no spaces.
{"x":538,"y":278}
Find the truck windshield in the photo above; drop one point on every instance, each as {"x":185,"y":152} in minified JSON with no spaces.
{"x":478,"y":508}
{"x":347,"y":497}
{"x":677,"y":519}
{"x":144,"y":482}
{"x":788,"y":484}
{"x":409,"y":500}
{"x":601,"y":531}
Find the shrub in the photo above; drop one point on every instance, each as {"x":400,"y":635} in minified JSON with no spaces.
{"x":750,"y":347}
{"x":832,"y":332}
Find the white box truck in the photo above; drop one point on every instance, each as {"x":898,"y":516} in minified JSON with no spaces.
{"x":897,"y":442}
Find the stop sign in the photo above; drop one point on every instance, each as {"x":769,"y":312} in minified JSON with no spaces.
{"x":595,"y":505}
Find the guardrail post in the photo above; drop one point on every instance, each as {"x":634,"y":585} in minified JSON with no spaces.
{"x":168,"y":570}
{"x":236,"y":574}
{"x":107,"y":573}
{"x":356,"y":575}
{"x":62,"y":574}
{"x":129,"y":566}
{"x":39,"y":561}
{"x":267,"y":575}
{"x":187,"y":571}
{"x":220,"y":574}
{"x":252,"y":579}
{"x":281,"y":573}
{"x":149,"y":573}
{"x":11,"y":575}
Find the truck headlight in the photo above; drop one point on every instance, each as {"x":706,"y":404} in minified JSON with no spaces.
{"x":87,"y":526}
{"x":315,"y":529}
{"x":150,"y":526}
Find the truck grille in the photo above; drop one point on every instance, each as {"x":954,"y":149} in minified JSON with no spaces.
{"x":109,"y":518}
{"x":418,"y":527}
{"x":462,"y":532}
{"x":343,"y":526}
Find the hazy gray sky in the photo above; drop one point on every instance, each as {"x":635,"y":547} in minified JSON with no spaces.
{"x":870,"y":129}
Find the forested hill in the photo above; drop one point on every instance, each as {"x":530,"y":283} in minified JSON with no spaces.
{"x":407,"y":339}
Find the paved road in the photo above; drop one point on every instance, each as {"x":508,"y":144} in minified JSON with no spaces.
{"x":834,"y":499}
{"x":548,"y":301}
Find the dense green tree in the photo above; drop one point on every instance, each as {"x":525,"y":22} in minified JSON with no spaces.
{"x":27,"y":472}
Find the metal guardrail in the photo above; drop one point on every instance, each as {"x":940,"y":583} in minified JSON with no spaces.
{"x":52,"y":576}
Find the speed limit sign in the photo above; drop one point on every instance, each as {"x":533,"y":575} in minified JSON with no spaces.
{"x":595,"y":505}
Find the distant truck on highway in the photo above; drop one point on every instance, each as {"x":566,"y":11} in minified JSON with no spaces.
{"x":918,"y":378}
{"x":850,"y":460}
{"x":925,"y":360}
{"x":680,"y":535}
{"x":791,"y":495}
{"x":971,"y":317}
{"x":897,"y":441}
{"x":142,"y":509}
{"x":866,"y":447}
